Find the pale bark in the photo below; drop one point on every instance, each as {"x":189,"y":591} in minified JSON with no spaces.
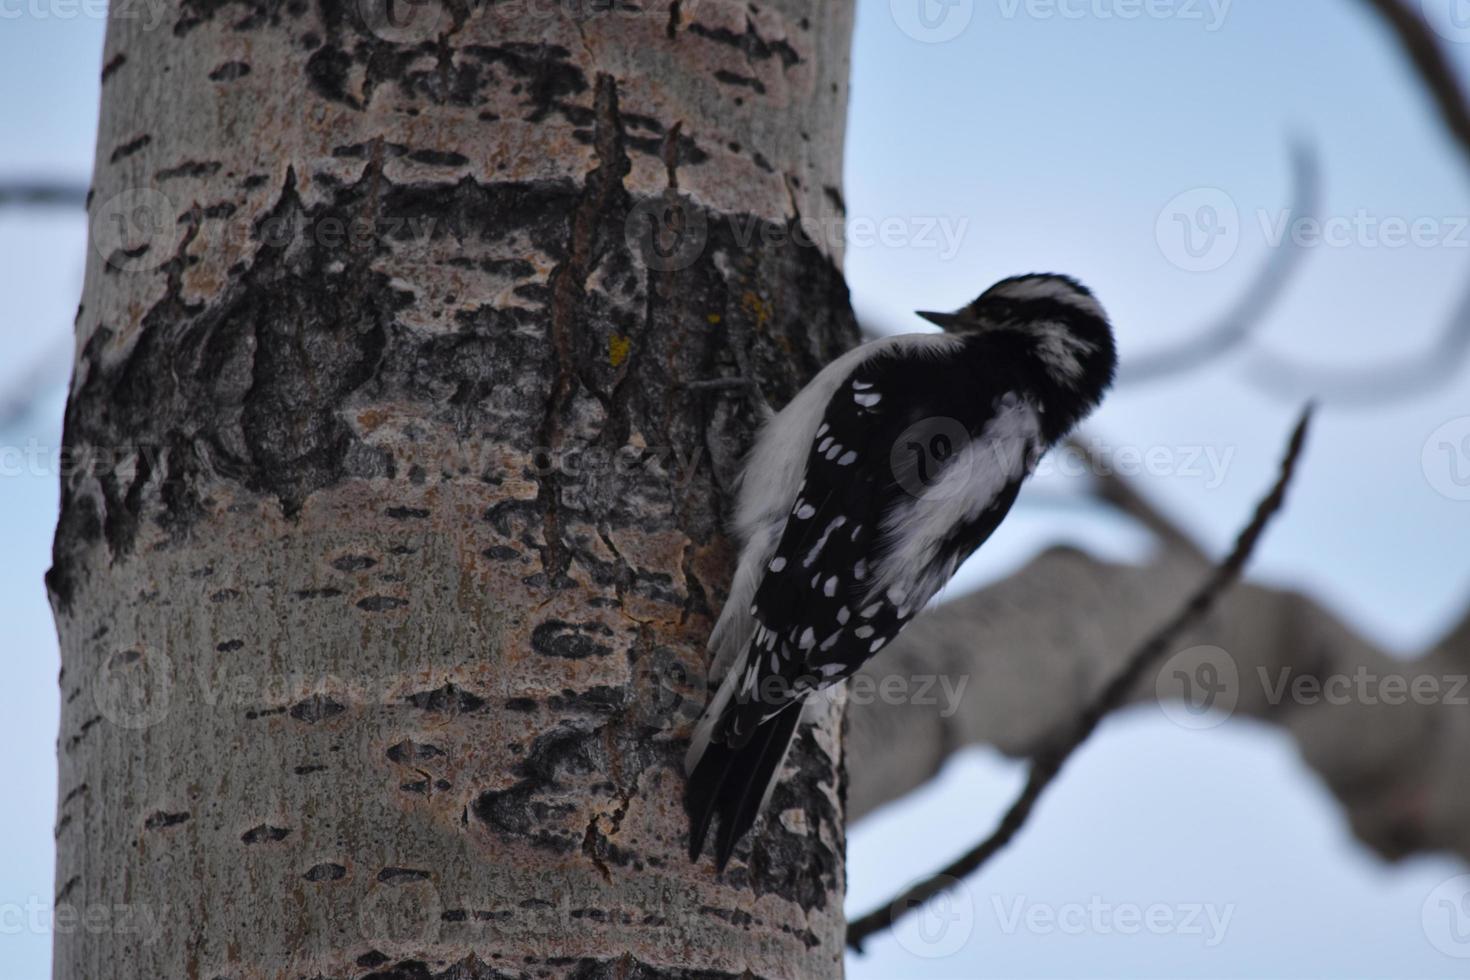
{"x":354,"y":678}
{"x":1390,"y":737}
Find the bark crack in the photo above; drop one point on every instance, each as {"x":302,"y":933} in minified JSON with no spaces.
{"x":568,"y":282}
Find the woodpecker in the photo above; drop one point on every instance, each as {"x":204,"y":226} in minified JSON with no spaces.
{"x":859,"y":500}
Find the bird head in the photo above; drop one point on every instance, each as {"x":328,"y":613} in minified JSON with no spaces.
{"x":1057,"y":314}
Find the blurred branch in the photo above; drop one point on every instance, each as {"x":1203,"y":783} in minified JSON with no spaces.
{"x":1047,"y":763}
{"x":42,"y":194}
{"x":19,"y":395}
{"x":1442,"y":361}
{"x":1379,"y":383}
{"x":1427,"y":56}
{"x":1255,"y":301}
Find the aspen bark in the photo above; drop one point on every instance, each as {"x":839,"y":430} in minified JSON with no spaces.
{"x":390,"y":533}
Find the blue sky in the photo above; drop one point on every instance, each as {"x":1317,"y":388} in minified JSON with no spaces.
{"x":1039,"y":134}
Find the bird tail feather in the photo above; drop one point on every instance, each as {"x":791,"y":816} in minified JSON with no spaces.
{"x":732,"y":782}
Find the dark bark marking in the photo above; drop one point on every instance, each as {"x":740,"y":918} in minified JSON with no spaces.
{"x":408,"y":751}
{"x":264,"y":834}
{"x":546,"y":73}
{"x":318,"y":707}
{"x":71,"y":883}
{"x":258,"y":13}
{"x":127,"y":149}
{"x":439,"y":158}
{"x":354,"y":563}
{"x":113,"y":64}
{"x":325,"y":872}
{"x":160,"y":819}
{"x":448,"y":699}
{"x":381,"y":603}
{"x":395,"y":875}
{"x":229,"y":71}
{"x":750,"y":43}
{"x":82,"y":731}
{"x":570,"y":641}
{"x":743,"y":81}
{"x":599,"y":700}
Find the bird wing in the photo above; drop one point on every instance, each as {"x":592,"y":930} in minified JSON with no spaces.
{"x":918,"y":458}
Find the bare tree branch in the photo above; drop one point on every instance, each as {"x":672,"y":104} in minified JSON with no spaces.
{"x":1255,"y":302}
{"x":1441,"y":363}
{"x":1048,"y":763}
{"x":1427,"y":56}
{"x":1376,"y":384}
{"x":1395,"y":761}
{"x":41,"y":193}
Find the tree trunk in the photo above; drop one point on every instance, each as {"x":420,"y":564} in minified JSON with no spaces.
{"x":390,"y":537}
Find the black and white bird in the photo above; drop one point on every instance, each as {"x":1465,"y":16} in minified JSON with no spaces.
{"x":861,"y":498}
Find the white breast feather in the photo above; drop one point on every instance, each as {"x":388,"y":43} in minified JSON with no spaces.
{"x":917,"y":526}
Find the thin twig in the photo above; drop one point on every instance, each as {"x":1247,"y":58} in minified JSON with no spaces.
{"x":1255,"y":301}
{"x":1048,"y":763}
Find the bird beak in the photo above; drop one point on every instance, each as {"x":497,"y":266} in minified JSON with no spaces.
{"x":944,"y":320}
